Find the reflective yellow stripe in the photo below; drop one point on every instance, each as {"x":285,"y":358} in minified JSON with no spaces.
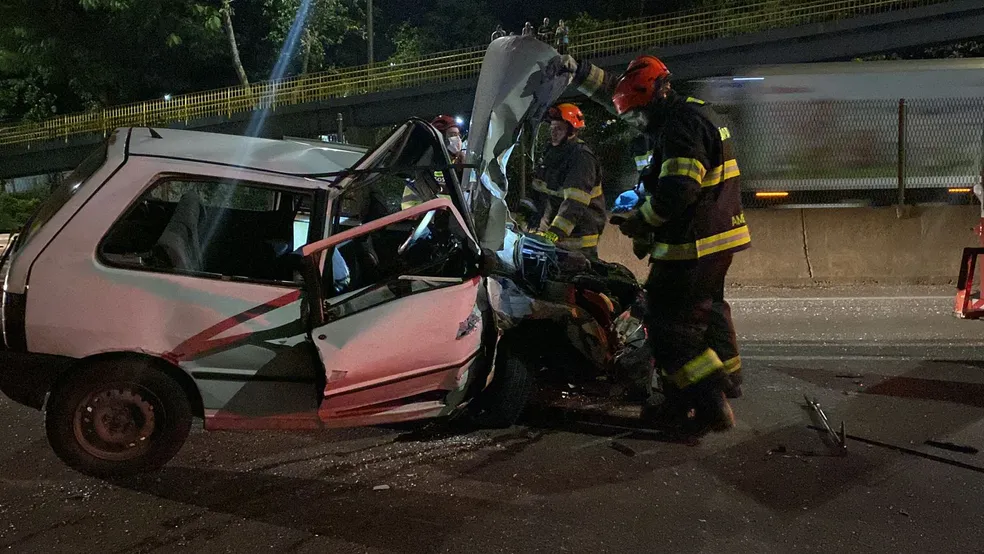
{"x":692,"y":100}
{"x":725,"y":133}
{"x":579,"y":195}
{"x":591,"y":84}
{"x":541,"y":187}
{"x":683,"y":167}
{"x":724,"y":241}
{"x":698,"y":369}
{"x":587,"y":241}
{"x":704,"y":247}
{"x":563,"y":224}
{"x":733,"y":365}
{"x":649,"y":215}
{"x":721,"y":173}
{"x":410,"y":198}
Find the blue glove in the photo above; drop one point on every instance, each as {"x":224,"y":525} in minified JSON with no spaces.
{"x":627,"y":201}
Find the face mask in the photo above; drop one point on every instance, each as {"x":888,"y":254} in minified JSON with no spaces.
{"x":636,"y":118}
{"x":454,"y":144}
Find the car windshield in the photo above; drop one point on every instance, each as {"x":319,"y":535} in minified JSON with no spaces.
{"x":61,"y":195}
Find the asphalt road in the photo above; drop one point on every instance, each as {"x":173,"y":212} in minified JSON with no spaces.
{"x":894,"y":366}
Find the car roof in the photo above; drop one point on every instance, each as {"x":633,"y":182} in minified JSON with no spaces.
{"x":286,"y":157}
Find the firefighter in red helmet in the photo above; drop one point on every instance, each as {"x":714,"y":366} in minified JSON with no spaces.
{"x":451,"y":133}
{"x":567,"y":185}
{"x":690,"y":224}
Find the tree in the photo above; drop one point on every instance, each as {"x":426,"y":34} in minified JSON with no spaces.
{"x":327,"y":26}
{"x":409,"y":43}
{"x":226,"y":11}
{"x":67,"y":56}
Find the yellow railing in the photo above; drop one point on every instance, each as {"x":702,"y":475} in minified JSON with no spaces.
{"x":681,"y":28}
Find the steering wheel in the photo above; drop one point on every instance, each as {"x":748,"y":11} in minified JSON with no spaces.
{"x":418,"y":233}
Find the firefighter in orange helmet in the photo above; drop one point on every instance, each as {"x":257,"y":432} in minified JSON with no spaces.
{"x":690,"y":223}
{"x":567,"y":185}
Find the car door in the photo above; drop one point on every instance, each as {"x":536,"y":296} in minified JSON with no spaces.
{"x":395,"y":292}
{"x":398,"y":342}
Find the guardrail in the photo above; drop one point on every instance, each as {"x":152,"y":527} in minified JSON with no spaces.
{"x":681,"y":28}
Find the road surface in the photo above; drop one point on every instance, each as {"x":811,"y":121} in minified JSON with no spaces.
{"x":893,"y":365}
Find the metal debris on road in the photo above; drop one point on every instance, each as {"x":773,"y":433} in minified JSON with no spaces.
{"x":839,"y":439}
{"x":952,"y":447}
{"x":781,"y":449}
{"x":381,"y":488}
{"x":619,"y":447}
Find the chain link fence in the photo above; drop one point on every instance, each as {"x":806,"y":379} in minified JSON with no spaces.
{"x":859,"y":153}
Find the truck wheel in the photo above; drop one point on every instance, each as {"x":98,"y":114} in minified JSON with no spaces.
{"x":504,"y":400}
{"x":117,"y":418}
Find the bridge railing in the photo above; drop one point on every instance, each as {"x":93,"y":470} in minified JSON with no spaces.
{"x":680,"y":28}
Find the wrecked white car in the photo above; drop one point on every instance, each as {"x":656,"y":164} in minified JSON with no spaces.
{"x":264,"y":284}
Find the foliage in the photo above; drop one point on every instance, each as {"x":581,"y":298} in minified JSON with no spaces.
{"x":584,"y":23}
{"x":17,"y":207}
{"x":329,"y":23}
{"x":409,"y":43}
{"x":60,"y":56}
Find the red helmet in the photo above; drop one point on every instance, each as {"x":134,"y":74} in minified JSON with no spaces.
{"x":444,"y":122}
{"x":638,"y":85}
{"x":567,"y":112}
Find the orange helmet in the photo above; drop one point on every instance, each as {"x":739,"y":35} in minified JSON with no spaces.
{"x":444,"y":122}
{"x":638,"y":85}
{"x":567,"y":112}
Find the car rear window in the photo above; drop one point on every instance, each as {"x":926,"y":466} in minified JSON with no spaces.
{"x":61,"y":195}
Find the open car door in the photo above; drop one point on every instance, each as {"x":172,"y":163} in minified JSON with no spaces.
{"x":395,"y":294}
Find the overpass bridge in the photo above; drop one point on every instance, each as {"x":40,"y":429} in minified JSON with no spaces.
{"x":695,"y":44}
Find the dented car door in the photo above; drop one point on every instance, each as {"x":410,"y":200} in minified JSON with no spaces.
{"x":394,"y":293}
{"x":397,"y":340}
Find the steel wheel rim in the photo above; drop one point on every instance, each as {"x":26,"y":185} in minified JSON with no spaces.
{"x":118,"y":421}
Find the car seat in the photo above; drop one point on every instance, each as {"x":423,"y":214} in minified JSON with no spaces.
{"x":179,"y":243}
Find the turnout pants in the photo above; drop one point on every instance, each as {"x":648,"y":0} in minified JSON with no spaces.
{"x":690,"y":328}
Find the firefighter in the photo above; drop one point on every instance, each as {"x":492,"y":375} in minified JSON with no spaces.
{"x":451,"y":132}
{"x":567,"y":185}
{"x":690,"y":223}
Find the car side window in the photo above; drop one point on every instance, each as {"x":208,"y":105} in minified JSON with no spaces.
{"x":212,"y":227}
{"x":412,"y":255}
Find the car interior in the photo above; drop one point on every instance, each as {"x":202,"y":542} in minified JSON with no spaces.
{"x":228,"y":229}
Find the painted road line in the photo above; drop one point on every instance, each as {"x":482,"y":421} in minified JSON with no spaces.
{"x":835,"y":298}
{"x":602,"y":440}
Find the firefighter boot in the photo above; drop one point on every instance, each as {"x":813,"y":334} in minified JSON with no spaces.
{"x":691,"y":412}
{"x":732,"y":387}
{"x":712,"y":412}
{"x":668,"y":408}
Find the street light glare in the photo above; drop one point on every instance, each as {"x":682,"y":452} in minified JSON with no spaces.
{"x":167,"y":97}
{"x":459,"y":120}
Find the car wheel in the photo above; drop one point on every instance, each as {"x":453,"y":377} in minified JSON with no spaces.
{"x":117,"y":418}
{"x":504,"y":400}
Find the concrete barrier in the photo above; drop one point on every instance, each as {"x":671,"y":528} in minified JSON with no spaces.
{"x":840,"y":246}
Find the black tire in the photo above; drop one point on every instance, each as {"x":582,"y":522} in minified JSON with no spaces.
{"x":503,"y":401}
{"x":117,"y":418}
